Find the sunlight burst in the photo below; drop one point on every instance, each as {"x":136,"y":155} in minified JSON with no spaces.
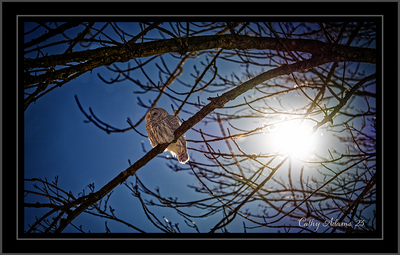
{"x":294,"y":138}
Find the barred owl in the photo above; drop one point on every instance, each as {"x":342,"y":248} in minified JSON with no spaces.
{"x":160,"y":127}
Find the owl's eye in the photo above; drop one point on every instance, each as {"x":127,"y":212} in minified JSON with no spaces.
{"x":154,"y":113}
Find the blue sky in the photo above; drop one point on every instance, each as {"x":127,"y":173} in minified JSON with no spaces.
{"x":57,"y":142}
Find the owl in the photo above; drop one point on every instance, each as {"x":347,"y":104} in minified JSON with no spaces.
{"x":160,"y":127}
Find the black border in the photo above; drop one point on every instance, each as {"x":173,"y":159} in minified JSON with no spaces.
{"x":199,"y":243}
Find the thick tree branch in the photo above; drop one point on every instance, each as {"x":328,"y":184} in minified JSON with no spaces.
{"x":105,"y":56}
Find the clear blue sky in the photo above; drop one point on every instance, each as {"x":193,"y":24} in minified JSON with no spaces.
{"x":59,"y":143}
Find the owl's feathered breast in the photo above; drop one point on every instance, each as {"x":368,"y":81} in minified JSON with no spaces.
{"x":161,"y":129}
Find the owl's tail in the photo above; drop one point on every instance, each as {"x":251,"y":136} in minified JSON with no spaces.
{"x":183,"y":157}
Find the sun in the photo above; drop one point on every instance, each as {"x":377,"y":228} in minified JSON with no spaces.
{"x":293,"y":137}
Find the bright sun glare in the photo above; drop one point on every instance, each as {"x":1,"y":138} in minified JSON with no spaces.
{"x":294,"y":138}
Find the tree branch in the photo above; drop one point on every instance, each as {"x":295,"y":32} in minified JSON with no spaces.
{"x":105,"y":56}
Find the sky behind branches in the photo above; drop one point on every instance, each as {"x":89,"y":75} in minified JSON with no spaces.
{"x":58,"y":142}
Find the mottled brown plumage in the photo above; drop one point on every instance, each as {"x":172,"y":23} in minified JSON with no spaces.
{"x":160,"y":127}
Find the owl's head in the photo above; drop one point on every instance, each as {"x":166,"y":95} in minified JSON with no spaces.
{"x":155,"y":113}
